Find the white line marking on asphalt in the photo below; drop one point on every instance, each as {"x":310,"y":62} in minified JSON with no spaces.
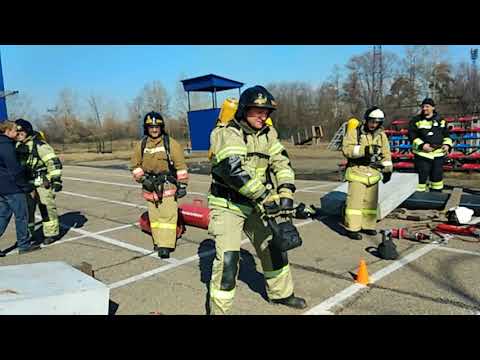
{"x":126,"y":226}
{"x":124,"y":245}
{"x":116,"y":242}
{"x":316,"y":186}
{"x":103,"y":199}
{"x":458,"y":250}
{"x":179,"y":263}
{"x":313,"y":191}
{"x":118,"y":184}
{"x":81,"y":236}
{"x":352,"y":289}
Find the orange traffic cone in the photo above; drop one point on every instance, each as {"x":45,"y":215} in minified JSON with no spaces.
{"x":362,"y":274}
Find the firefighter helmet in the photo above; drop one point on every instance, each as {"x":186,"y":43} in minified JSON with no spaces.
{"x":24,"y":125}
{"x":153,"y":119}
{"x":256,"y":96}
{"x":376,"y":114}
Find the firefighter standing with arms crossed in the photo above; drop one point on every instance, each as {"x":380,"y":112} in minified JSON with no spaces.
{"x":367,"y":150}
{"x":45,"y":173}
{"x":244,"y":153}
{"x":159,"y":165}
{"x":428,"y":133}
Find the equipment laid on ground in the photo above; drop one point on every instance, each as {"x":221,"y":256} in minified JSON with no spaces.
{"x":387,"y":249}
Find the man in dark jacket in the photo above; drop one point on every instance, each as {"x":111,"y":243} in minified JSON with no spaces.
{"x":14,"y":189}
{"x":431,"y":142}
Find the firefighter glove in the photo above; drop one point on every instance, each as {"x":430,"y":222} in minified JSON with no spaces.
{"x":181,"y":190}
{"x":386,"y":177}
{"x":56,"y":184}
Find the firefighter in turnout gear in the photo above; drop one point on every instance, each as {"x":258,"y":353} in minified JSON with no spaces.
{"x":367,"y":150}
{"x":252,"y":179}
{"x":428,"y":133}
{"x":159,"y":165}
{"x":44,"y":170}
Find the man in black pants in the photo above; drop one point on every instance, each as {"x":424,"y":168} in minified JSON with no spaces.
{"x":428,"y":133}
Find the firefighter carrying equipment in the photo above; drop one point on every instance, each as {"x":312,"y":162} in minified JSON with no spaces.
{"x":248,"y":167}
{"x":159,"y":164}
{"x":44,"y":171}
{"x":368,"y":156}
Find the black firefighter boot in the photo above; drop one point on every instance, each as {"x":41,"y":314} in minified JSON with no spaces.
{"x":355,"y":235}
{"x":49,"y":239}
{"x":164,"y":252}
{"x":370,"y":232}
{"x":291,"y":301}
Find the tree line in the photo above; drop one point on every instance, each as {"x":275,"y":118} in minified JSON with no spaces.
{"x":397,"y":84}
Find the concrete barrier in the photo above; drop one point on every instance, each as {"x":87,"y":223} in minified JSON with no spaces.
{"x":390,"y":195}
{"x":50,"y":288}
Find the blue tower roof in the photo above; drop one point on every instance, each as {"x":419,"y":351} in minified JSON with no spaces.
{"x":210,"y":83}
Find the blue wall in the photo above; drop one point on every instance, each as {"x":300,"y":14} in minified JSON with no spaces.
{"x":201,"y":123}
{"x":3,"y":105}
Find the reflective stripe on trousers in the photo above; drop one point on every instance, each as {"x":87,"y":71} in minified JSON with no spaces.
{"x":226,"y":227}
{"x":361,"y":206}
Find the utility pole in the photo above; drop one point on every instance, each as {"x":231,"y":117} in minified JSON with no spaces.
{"x":474,"y":57}
{"x":3,"y":95}
{"x":377,"y":75}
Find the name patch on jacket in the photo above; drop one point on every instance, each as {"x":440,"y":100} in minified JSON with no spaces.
{"x":154,"y":150}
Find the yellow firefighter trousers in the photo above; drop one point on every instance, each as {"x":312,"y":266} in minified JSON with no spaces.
{"x":45,"y":198}
{"x":227,"y":228}
{"x":361,"y":206}
{"x":163,"y":222}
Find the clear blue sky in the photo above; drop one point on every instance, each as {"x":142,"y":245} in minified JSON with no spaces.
{"x":117,"y":73}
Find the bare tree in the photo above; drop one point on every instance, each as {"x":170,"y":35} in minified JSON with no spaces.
{"x":20,"y":106}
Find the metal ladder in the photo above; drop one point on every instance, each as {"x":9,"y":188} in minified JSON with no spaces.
{"x":336,"y":143}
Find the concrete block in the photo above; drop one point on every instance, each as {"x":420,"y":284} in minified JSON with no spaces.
{"x":390,"y":195}
{"x":50,"y":288}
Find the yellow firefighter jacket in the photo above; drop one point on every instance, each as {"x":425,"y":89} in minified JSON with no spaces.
{"x":245,"y":163}
{"x":40,"y":159}
{"x":155,"y":160}
{"x":362,"y":168}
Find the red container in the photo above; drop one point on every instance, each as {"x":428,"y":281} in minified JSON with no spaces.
{"x":145,"y":224}
{"x":456,"y":155}
{"x":399,"y":155}
{"x":459,"y":230}
{"x":195,"y":214}
{"x":392,"y":132}
{"x":403,"y":165}
{"x":474,"y":156}
{"x":458,"y":129}
{"x":470,"y":167}
{"x":403,"y":131}
{"x":400,"y":122}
